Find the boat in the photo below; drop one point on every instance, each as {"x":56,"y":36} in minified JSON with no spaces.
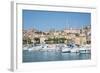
{"x":48,"y":47}
{"x":71,"y":48}
{"x":85,"y":49}
{"x":74,"y":50}
{"x":35,"y":48}
{"x":30,"y":49}
{"x":25,"y":48}
{"x":65,"y":50}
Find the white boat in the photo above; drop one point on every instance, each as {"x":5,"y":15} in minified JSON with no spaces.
{"x":85,"y":49}
{"x":25,"y":48}
{"x":74,"y":50}
{"x":35,"y":48}
{"x":49,"y":47}
{"x":65,"y":49}
{"x":30,"y":49}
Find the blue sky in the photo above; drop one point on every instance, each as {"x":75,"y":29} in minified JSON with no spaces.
{"x":48,"y":20}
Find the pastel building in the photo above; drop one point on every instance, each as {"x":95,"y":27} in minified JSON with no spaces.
{"x":77,"y":36}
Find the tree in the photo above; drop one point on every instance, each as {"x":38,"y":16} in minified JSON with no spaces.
{"x":37,"y":40}
{"x":77,"y":34}
{"x":29,"y":41}
{"x":62,"y":40}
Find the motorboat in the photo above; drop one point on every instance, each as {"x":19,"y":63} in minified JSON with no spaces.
{"x":25,"y":48}
{"x":48,"y":47}
{"x":30,"y":49}
{"x":74,"y":50}
{"x":85,"y":49}
{"x":35,"y":48}
{"x":66,"y":50}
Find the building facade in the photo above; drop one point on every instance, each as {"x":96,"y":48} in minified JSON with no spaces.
{"x":77,"y":36}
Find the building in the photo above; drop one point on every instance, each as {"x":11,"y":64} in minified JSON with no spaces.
{"x":72,"y":30}
{"x":78,"y":36}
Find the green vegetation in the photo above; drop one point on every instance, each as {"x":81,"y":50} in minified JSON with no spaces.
{"x":27,"y":41}
{"x":55,"y":40}
{"x":37,"y":40}
{"x":77,"y":34}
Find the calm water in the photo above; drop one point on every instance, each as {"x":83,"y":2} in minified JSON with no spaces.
{"x":38,"y":56}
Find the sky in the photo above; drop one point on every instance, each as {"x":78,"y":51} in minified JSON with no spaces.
{"x":52,"y":20}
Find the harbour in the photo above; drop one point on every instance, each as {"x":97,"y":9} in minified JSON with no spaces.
{"x":60,"y":36}
{"x":55,"y":53}
{"x":60,"y":48}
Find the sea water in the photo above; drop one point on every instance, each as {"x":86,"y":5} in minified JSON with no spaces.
{"x":40,"y":56}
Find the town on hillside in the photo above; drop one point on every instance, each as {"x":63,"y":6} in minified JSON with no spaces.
{"x":67,"y":36}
